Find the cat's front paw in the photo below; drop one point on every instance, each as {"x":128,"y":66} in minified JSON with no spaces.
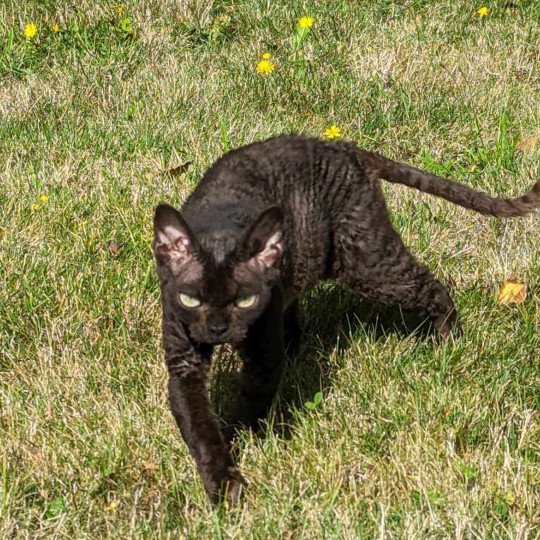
{"x":447,"y":326}
{"x":234,"y":489}
{"x":227,"y":488}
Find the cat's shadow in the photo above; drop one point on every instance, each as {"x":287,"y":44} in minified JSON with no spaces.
{"x":331,"y":317}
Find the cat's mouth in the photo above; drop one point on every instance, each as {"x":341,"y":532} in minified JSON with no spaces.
{"x":229,"y":337}
{"x":218,"y":340}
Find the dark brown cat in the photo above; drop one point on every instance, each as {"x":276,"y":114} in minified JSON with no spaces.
{"x":266,"y":224}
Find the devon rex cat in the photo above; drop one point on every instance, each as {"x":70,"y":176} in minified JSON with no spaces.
{"x":267,"y":222}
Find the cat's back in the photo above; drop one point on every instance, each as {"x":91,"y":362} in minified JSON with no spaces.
{"x":306,"y":176}
{"x":255,"y":172}
{"x":265,"y":159}
{"x":274,"y":166}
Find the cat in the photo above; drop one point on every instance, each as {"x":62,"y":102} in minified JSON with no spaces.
{"x":267,"y":222}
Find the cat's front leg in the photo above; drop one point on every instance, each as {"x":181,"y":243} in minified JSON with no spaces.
{"x":192,"y":410}
{"x":263,"y":354}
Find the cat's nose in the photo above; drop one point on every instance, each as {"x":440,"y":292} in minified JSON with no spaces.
{"x":218,"y":328}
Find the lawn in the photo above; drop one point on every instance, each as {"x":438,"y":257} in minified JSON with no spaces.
{"x":107,"y":109}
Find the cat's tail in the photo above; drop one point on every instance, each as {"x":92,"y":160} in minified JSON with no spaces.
{"x":457,"y":193}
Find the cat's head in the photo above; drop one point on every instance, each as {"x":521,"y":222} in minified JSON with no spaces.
{"x":217,"y":287}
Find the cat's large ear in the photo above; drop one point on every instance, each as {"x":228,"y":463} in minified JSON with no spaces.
{"x":263,"y":242}
{"x":173,"y":241}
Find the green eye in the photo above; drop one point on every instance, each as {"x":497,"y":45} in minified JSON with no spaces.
{"x":245,"y":302}
{"x":189,"y":301}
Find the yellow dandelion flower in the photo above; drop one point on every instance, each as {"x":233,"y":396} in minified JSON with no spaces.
{"x":305,"y":22}
{"x":35,"y":206}
{"x":120,"y":10}
{"x":30,"y":30}
{"x":483,"y":11}
{"x":43,"y":198}
{"x":332,"y":132}
{"x":55,"y":28}
{"x":266,"y":56}
{"x":265,"y":67}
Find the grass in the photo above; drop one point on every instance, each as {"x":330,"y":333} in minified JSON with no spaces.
{"x":108,"y":117}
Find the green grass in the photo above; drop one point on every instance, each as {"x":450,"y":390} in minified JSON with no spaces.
{"x":412,"y":439}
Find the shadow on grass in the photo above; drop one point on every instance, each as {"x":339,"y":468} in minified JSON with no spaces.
{"x":331,"y":317}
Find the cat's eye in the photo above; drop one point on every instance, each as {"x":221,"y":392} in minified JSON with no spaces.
{"x":189,"y":301}
{"x":245,"y":302}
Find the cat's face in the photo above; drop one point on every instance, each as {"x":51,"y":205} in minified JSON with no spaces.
{"x":217,"y":300}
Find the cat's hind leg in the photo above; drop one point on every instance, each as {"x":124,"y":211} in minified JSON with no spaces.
{"x":375,"y":263}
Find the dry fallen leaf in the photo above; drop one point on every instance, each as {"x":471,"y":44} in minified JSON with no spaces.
{"x":528,"y":145}
{"x":512,"y":292}
{"x":115,"y":248}
{"x":150,"y":466}
{"x":180,"y":169}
